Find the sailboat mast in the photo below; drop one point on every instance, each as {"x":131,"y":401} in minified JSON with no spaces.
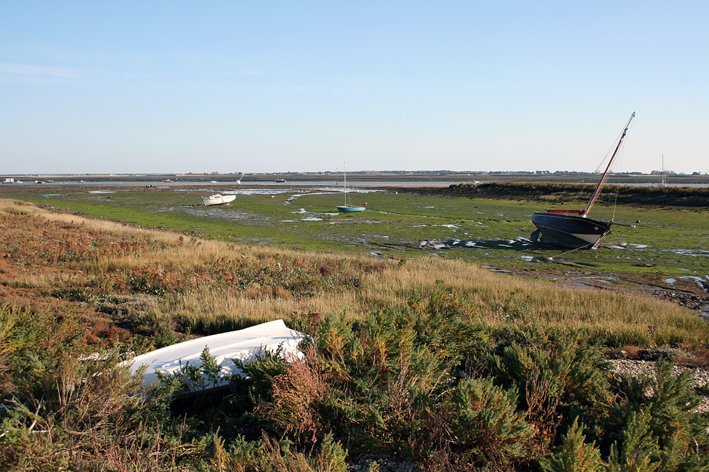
{"x":344,"y":174}
{"x":597,"y":192}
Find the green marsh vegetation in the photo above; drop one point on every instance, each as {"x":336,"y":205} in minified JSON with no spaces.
{"x":668,"y":241}
{"x":688,"y":196}
{"x":430,"y":358}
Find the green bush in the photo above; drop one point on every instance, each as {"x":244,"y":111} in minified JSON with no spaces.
{"x":655,"y":415}
{"x":574,"y":454}
{"x":415,"y":381}
{"x":487,"y":424}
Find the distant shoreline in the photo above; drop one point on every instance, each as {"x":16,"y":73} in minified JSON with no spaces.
{"x":360,"y":178}
{"x":696,"y":195}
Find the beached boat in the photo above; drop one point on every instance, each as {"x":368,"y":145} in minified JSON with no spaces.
{"x":347,"y":208}
{"x":350,"y":209}
{"x":244,"y":345}
{"x":573,"y":228}
{"x":218,"y":199}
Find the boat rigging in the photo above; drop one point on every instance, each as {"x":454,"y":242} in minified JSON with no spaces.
{"x":573,"y":228}
{"x":347,"y":208}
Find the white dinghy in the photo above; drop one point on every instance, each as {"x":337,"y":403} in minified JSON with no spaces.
{"x":218,"y":199}
{"x":244,"y":345}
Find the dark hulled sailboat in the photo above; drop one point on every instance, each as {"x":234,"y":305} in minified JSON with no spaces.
{"x":573,"y":228}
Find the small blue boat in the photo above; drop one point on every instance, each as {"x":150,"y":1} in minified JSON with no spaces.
{"x":349,"y":209}
{"x":346,"y":208}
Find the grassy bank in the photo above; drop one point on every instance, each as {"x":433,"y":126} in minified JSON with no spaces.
{"x":439,"y":361}
{"x":207,"y":286}
{"x":556,"y":192}
{"x":666,"y":242}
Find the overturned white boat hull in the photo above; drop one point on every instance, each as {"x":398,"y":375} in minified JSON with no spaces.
{"x":244,"y":345}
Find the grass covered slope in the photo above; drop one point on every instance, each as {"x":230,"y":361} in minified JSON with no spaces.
{"x":207,"y":286}
{"x":622,"y":194}
{"x":669,"y":241}
{"x":442,"y":362}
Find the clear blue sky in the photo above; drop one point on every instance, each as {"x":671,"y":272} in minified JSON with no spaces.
{"x":227,"y":86}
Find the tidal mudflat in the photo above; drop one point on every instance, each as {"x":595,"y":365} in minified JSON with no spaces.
{"x":665,"y":253}
{"x":82,"y":294}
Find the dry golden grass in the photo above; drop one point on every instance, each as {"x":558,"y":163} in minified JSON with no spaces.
{"x":502,"y":300}
{"x":495,"y":300}
{"x":8,"y":206}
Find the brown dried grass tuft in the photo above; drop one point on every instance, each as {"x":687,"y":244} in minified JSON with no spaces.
{"x":297,"y":395}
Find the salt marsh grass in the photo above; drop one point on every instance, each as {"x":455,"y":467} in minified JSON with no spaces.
{"x":205,"y":286}
{"x":441,"y":361}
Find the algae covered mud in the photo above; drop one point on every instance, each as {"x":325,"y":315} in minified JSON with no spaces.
{"x":666,"y":253}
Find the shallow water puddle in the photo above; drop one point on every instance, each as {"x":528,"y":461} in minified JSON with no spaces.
{"x":326,"y":191}
{"x":519,"y":243}
{"x":253,"y":191}
{"x":689,"y":252}
{"x":703,"y":282}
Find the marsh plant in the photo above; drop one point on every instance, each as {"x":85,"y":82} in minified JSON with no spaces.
{"x":416,"y":382}
{"x":157,"y":283}
{"x":440,"y":362}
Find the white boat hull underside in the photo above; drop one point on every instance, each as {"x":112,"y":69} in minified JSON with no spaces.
{"x":244,"y":345}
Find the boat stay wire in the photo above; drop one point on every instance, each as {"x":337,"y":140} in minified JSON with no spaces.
{"x":599,"y":187}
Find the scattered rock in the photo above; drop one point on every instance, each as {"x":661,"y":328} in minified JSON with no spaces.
{"x":622,"y":354}
{"x":636,"y":368}
{"x":648,"y":355}
{"x":384,"y":464}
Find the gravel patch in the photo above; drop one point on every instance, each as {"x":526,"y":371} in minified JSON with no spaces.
{"x":635,"y":368}
{"x":385,"y":464}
